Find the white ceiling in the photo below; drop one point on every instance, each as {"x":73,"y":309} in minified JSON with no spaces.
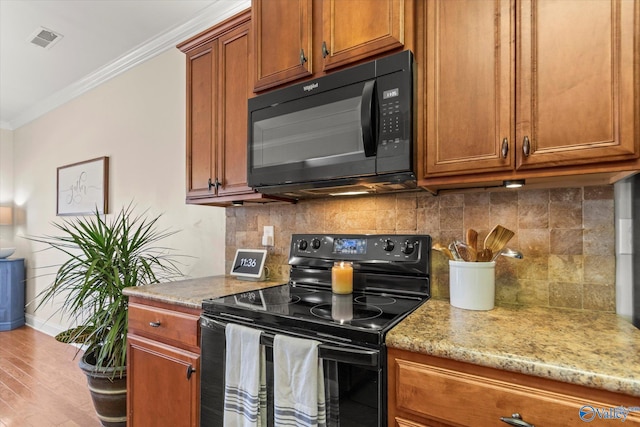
{"x":101,"y":39}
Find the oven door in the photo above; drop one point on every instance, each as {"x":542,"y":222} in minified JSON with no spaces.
{"x":355,"y":383}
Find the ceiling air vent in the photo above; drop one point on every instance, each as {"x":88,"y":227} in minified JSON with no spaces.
{"x":44,"y":38}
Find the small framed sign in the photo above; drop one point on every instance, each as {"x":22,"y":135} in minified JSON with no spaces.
{"x":248,"y":264}
{"x":83,"y":188}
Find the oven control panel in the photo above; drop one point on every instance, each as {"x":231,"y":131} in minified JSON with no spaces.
{"x":365,"y":248}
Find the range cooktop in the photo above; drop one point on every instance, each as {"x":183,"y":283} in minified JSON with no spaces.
{"x":390,"y":280}
{"x":360,"y":316}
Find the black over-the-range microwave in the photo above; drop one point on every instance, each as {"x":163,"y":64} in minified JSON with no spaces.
{"x":348,"y":132}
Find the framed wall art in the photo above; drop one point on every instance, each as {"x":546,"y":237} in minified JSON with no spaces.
{"x":83,"y":187}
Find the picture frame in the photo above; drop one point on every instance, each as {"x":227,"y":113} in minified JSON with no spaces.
{"x":83,"y":187}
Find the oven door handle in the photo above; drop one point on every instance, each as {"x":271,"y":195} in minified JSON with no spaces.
{"x":351,"y":356}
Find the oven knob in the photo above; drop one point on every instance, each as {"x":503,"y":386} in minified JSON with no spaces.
{"x":388,"y":245}
{"x":407,"y":247}
{"x":315,"y":243}
{"x":302,"y":245}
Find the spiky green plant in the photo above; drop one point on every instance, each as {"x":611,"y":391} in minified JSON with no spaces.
{"x":104,"y":257}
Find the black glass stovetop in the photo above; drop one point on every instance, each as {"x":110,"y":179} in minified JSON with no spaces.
{"x":360,"y":316}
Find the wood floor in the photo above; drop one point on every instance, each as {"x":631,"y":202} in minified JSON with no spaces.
{"x":40,"y":382}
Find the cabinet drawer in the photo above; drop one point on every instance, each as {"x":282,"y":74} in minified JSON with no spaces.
{"x":164,"y":325}
{"x":459,"y":398}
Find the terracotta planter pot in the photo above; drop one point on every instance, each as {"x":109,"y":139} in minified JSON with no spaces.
{"x":108,"y":392}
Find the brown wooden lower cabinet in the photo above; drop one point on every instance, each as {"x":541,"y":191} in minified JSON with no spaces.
{"x":163,"y":365}
{"x":434,"y":392}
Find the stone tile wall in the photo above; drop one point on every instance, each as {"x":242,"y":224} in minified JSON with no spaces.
{"x":567,"y":236}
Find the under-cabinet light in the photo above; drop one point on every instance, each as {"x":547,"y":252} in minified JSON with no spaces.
{"x":349,"y":193}
{"x":514,"y":183}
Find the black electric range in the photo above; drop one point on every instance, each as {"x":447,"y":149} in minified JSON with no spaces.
{"x":391,"y":279}
{"x":391,"y":276}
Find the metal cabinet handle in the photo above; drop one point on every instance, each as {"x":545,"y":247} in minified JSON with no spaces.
{"x":303,"y":58}
{"x":515,"y":420}
{"x":526,"y":146}
{"x":190,"y":371}
{"x":505,"y":148}
{"x":154,"y":324}
{"x":213,"y":184}
{"x":325,"y":51}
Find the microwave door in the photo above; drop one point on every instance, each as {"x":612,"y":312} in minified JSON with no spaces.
{"x":320,"y":137}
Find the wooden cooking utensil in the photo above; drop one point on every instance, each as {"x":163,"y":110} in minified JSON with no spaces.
{"x":485,"y":255}
{"x":438,"y":247}
{"x":472,"y":239}
{"x":498,"y":238}
{"x":466,"y":252}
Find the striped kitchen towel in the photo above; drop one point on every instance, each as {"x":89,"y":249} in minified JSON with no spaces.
{"x":245,"y":391}
{"x":298,"y":380}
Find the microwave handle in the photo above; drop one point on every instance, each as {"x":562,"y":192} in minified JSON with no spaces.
{"x":368,"y":116}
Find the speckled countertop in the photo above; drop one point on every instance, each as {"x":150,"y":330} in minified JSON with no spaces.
{"x":191,"y":292}
{"x":593,"y":349}
{"x":599,"y":350}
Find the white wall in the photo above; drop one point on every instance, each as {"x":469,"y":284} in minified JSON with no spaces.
{"x":138,"y":120}
{"x":6,"y":183}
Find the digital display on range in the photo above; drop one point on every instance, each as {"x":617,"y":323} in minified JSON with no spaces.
{"x":350,"y":246}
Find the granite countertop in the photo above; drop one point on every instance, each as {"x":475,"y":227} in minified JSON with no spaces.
{"x":191,"y":292}
{"x":593,"y":349}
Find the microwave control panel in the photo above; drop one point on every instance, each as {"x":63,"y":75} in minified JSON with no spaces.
{"x":395,"y":101}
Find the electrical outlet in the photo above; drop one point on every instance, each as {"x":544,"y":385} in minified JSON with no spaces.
{"x":267,"y":235}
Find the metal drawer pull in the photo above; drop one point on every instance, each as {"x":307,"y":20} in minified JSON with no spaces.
{"x":515,"y":420}
{"x":303,"y":58}
{"x":190,"y":371}
{"x":154,"y":324}
{"x":505,"y":148}
{"x":526,"y":146}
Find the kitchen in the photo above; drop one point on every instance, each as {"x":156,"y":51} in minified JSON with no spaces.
{"x":566,"y":232}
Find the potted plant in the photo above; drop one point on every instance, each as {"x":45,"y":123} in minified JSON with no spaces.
{"x":104,"y":257}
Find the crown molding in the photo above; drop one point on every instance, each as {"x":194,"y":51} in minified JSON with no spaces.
{"x":213,"y":14}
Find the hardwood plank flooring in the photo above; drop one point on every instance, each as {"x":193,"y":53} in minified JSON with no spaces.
{"x":41,"y":383}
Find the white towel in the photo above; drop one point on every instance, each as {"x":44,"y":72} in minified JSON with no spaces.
{"x":298,"y":383}
{"x":245,"y":391}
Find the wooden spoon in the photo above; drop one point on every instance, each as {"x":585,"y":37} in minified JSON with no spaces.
{"x":438,"y":247}
{"x":466,"y":252}
{"x":485,"y":255}
{"x":472,"y":239}
{"x":498,"y":238}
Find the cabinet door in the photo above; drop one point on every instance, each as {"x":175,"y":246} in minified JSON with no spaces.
{"x":235,"y":86}
{"x":356,"y":29}
{"x":161,"y":393}
{"x":425,"y":390}
{"x":469,"y":87}
{"x":201,"y":116}
{"x":282,"y":31}
{"x":575,"y":82}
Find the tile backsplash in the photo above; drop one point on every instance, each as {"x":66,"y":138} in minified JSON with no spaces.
{"x":567,"y":236}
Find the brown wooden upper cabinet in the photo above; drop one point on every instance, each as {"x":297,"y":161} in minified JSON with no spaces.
{"x":219,"y":83}
{"x":293,"y":35}
{"x":527,"y":85}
